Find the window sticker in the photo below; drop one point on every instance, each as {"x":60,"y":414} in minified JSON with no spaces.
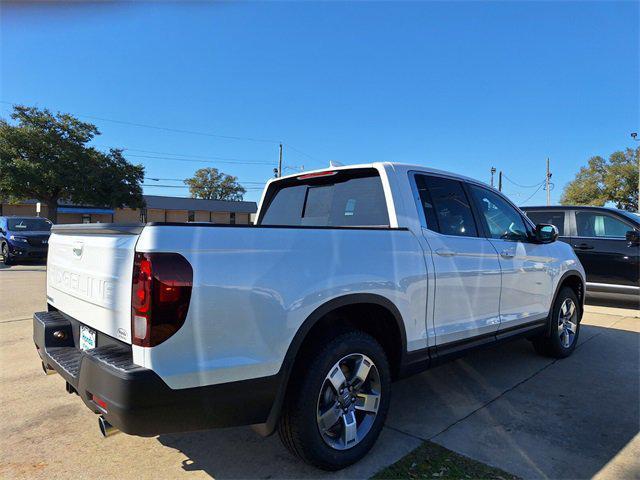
{"x":350,"y":208}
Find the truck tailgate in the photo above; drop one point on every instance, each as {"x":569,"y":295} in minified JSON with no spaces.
{"x":89,"y":275}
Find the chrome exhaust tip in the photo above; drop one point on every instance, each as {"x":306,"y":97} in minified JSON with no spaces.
{"x":47,"y":370}
{"x":106,"y":429}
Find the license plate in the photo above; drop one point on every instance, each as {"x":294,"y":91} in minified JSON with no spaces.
{"x":87,"y":338}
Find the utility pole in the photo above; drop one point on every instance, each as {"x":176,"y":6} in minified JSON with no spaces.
{"x":493,"y":171}
{"x":500,"y":181}
{"x":547,"y":184}
{"x":280,"y":163}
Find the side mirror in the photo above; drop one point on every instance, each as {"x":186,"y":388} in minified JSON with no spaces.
{"x":546,"y":233}
{"x":633,"y":236}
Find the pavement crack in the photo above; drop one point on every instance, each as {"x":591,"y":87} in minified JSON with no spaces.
{"x":15,"y":320}
{"x":408,"y":434}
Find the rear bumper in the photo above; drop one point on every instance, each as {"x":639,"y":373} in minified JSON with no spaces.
{"x":138,"y":401}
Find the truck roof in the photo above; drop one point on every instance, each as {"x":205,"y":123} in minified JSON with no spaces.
{"x":397,"y":166}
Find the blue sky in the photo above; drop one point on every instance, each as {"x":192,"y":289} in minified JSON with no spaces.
{"x":457,"y":86}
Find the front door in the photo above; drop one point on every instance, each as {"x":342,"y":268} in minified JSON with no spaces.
{"x":527,"y":285}
{"x":467,"y":271}
{"x":607,"y":257}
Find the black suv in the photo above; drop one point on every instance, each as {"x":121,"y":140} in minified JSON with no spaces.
{"x":24,"y":238}
{"x":606,"y":240}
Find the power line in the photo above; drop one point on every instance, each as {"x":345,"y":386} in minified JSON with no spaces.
{"x":193,"y":160}
{"x":186,"y":186}
{"x":301,"y":152}
{"x":169,"y":129}
{"x":537,"y":190}
{"x":155,"y":179}
{"x":185,"y":131}
{"x":522,"y":186}
{"x":183,"y":155}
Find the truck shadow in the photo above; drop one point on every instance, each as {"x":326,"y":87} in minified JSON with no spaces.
{"x":504,"y":405}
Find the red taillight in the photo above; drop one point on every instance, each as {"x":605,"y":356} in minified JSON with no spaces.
{"x":98,"y":401}
{"x":160,"y":296}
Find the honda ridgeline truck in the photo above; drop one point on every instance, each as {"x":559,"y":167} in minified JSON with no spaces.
{"x":352,"y":277}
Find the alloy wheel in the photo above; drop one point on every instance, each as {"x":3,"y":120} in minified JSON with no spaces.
{"x":348,"y":401}
{"x":567,"y":322}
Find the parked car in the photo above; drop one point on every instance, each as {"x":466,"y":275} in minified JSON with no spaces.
{"x":353,"y":277}
{"x":24,"y":238}
{"x":606,"y":240}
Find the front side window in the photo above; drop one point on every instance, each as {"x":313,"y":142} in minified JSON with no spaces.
{"x":446,"y":207}
{"x":501,"y":219}
{"x":597,"y":224}
{"x":548,"y":217}
{"x":346,"y":198}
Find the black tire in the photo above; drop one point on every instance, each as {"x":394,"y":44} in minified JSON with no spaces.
{"x":552,"y":344}
{"x":6,"y":258}
{"x":298,"y":426}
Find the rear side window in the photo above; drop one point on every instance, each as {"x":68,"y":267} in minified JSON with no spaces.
{"x":596,"y":224}
{"x":548,"y":217}
{"x":446,"y":206}
{"x":347,"y":198}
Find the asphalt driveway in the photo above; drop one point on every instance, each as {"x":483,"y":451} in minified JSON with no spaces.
{"x":505,"y":406}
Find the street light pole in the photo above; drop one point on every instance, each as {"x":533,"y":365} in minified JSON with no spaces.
{"x":493,"y":171}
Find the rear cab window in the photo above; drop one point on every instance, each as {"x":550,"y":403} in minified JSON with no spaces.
{"x":339,"y":198}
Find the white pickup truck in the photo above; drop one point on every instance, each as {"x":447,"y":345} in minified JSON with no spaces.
{"x":352,"y":277}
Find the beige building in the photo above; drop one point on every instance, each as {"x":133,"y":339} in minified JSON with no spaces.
{"x":158,"y":209}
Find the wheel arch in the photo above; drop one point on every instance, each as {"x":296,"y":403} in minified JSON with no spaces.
{"x":574,"y":280}
{"x":333,"y":309}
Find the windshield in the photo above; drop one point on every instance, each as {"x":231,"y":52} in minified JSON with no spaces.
{"x":28,"y":224}
{"x":632,"y":215}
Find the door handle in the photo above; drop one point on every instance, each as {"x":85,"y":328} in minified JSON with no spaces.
{"x":583,"y":246}
{"x":444,"y":252}
{"x":508,"y":253}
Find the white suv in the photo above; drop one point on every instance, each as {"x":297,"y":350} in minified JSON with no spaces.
{"x":352,"y":277}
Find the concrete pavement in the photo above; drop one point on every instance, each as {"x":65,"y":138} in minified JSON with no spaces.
{"x":505,"y":406}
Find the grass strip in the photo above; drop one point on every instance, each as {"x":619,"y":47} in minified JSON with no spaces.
{"x":431,"y":461}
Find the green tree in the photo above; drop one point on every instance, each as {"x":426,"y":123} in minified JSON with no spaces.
{"x":45,"y":156}
{"x":602,"y":181}
{"x":211,"y":184}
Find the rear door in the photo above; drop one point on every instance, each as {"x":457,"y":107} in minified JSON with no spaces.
{"x":466,"y":266}
{"x":604,"y":252}
{"x":527,"y":282}
{"x":89,"y":276}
